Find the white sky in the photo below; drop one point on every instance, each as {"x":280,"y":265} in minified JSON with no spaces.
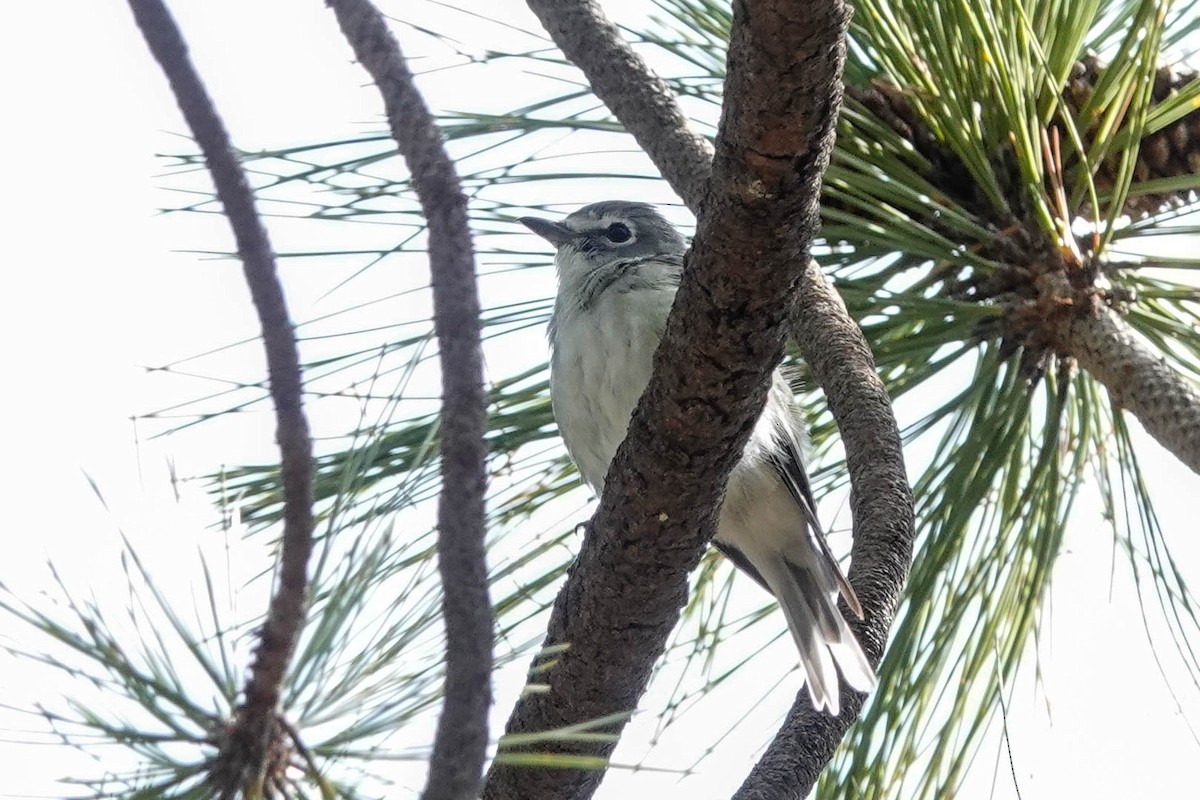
{"x":98,"y":288}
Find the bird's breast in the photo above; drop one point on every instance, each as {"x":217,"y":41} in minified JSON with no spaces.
{"x":602,"y":359}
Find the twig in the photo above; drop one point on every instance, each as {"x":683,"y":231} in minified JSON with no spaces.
{"x":461,"y":741}
{"x":247,"y":743}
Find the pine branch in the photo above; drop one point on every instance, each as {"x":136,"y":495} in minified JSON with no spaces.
{"x":638,"y":98}
{"x":1164,"y":401}
{"x":724,"y":334}
{"x":242,"y":761}
{"x":460,"y":745}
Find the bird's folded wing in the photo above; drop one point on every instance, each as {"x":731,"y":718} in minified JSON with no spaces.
{"x":790,"y":467}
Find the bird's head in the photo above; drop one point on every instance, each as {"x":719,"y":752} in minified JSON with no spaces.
{"x":601,"y":233}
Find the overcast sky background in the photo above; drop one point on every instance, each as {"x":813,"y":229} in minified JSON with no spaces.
{"x":98,"y":287}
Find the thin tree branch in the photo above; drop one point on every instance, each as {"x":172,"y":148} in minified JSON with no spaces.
{"x":724,"y":336}
{"x":456,"y":764}
{"x":639,"y":99}
{"x":243,"y":758}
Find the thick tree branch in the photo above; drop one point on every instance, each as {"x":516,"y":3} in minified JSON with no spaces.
{"x":724,"y":336}
{"x":244,"y":753}
{"x":639,"y":99}
{"x":461,"y":741}
{"x":1165,"y":402}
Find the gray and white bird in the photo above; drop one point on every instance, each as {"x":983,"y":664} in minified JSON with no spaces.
{"x":619,"y":265}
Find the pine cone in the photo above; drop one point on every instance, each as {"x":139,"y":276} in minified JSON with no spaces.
{"x":1171,"y":152}
{"x":1168,"y":153}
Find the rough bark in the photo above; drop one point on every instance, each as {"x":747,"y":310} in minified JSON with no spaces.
{"x":636,"y":96}
{"x":724,"y":335}
{"x":1166,"y":403}
{"x":460,"y":745}
{"x":244,"y":751}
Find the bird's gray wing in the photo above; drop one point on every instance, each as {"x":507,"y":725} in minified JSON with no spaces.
{"x":789,"y":465}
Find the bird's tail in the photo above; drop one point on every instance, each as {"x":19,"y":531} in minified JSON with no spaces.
{"x":824,"y":639}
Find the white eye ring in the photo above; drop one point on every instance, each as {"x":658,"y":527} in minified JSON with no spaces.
{"x":618,"y":233}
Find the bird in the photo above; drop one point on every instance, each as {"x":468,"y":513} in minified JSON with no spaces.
{"x":618,"y":266}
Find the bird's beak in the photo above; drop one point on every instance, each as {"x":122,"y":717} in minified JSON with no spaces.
{"x":555,"y":233}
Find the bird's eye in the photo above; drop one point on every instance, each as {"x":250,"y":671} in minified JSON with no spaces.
{"x":617,"y":232}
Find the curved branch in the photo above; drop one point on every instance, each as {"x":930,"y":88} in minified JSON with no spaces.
{"x":244,"y":753}
{"x":724,"y":336}
{"x":637,"y":97}
{"x":882,"y":508}
{"x":461,"y":740}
